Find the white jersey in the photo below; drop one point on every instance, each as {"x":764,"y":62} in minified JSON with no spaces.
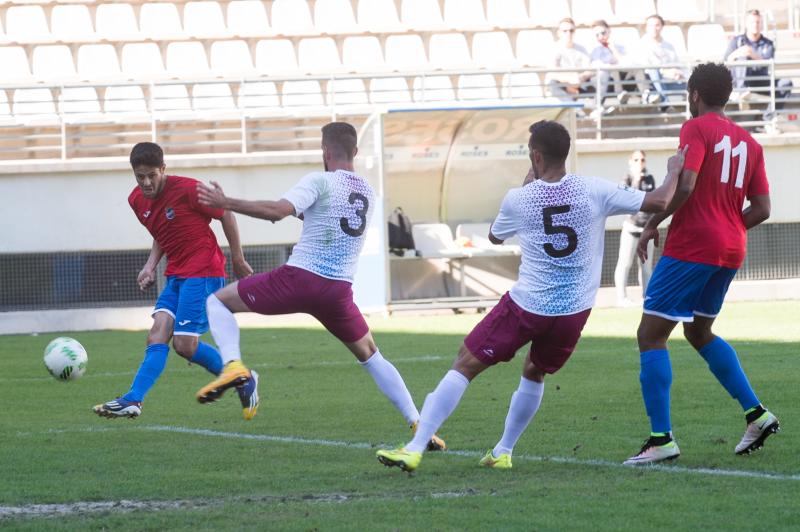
{"x":336,"y":208}
{"x":561,"y":228}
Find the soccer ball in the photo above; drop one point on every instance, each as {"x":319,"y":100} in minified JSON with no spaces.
{"x":65,"y":359}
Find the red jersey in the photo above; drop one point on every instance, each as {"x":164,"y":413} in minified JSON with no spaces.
{"x":709,"y":227}
{"x":180,"y":225}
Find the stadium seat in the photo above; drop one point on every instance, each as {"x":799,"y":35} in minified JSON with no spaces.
{"x":584,"y":12}
{"x":405,"y":53}
{"x":5,"y":107}
{"x":53,"y":62}
{"x":346,"y":92}
{"x":231,"y":58}
{"x":633,"y":11}
{"x":519,"y":85}
{"x":535,"y":47}
{"x":71,"y":23}
{"x":258,"y":96}
{"x":547,"y":13}
{"x":97,"y":61}
{"x":160,"y":20}
{"x":707,"y":41}
{"x":116,"y":22}
{"x":318,"y":55}
{"x":683,"y":10}
{"x":77,"y":103}
{"x":203,"y":19}
{"x":334,"y":16}
{"x":187,"y":59}
{"x":674,"y":35}
{"x":787,"y":45}
{"x":436,"y":240}
{"x":15,"y":64}
{"x":301,"y":94}
{"x":507,"y":13}
{"x":464,"y":14}
{"x":586,"y":38}
{"x":275,"y":56}
{"x":34,"y":104}
{"x":627,"y":37}
{"x":378,"y":16}
{"x":492,"y":50}
{"x":478,"y":235}
{"x":290,"y":17}
{"x":421,"y":14}
{"x":124,"y":99}
{"x":27,"y":23}
{"x":170,"y":98}
{"x":433,"y":88}
{"x":212,"y":97}
{"x":362,"y":54}
{"x":477,"y":87}
{"x":247,"y":18}
{"x":389,"y":90}
{"x":449,"y":51}
{"x":142,"y":60}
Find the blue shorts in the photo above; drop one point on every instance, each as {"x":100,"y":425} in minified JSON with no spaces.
{"x":185,"y":301}
{"x":679,"y":289}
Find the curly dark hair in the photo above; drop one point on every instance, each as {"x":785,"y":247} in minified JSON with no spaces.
{"x":551,"y":139}
{"x":341,"y":138}
{"x":714,"y":83}
{"x":148,"y":154}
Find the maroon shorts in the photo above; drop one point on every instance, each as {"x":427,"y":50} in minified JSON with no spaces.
{"x":508,"y":327}
{"x":287,"y":290}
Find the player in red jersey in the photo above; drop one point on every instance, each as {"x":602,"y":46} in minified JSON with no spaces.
{"x":705,"y":246}
{"x":168,"y":207}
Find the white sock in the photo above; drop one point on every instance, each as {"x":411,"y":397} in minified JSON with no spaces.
{"x":524,"y":404}
{"x":438,"y":406}
{"x":391,"y":384}
{"x":224,"y":329}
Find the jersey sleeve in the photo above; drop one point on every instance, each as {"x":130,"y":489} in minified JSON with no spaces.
{"x":614,"y":199}
{"x":690,"y":134}
{"x":194,"y":201}
{"x":305,"y":192}
{"x":758,"y":186}
{"x":505,"y":224}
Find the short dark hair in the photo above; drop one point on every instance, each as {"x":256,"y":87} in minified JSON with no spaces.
{"x":656,"y":16}
{"x":340,"y":138}
{"x":602,"y":23}
{"x":551,"y":139}
{"x":755,"y":12}
{"x":147,"y":154}
{"x":714,"y":83}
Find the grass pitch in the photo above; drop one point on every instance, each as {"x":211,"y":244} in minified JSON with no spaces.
{"x":307,"y":460}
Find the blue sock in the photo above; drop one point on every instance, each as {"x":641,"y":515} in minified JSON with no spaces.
{"x":724,"y":364}
{"x":656,"y":379}
{"x":155,"y":358}
{"x":208,"y":357}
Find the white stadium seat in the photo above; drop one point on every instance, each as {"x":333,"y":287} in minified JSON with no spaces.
{"x":334,"y":16}
{"x":301,"y":94}
{"x":5,"y":107}
{"x":275,"y":56}
{"x":674,"y":35}
{"x":634,"y":11}
{"x":15,"y":64}
{"x":247,"y":18}
{"x":433,"y":88}
{"x":534,"y":47}
{"x":259,"y":95}
{"x":683,"y":10}
{"x":142,"y":60}
{"x":405,"y":52}
{"x":627,"y":37}
{"x":547,"y":13}
{"x":79,"y":102}
{"x":464,"y":14}
{"x":585,"y":37}
{"x":27,"y":24}
{"x":389,"y":90}
{"x":212,"y":96}
{"x":34,"y":103}
{"x":362,"y":54}
{"x":116,"y":22}
{"x":346,"y":91}
{"x":53,"y":62}
{"x":317,"y":55}
{"x":290,"y":17}
{"x":477,"y":87}
{"x":507,"y":13}
{"x":124,"y":99}
{"x":435,"y":240}
{"x":231,"y":58}
{"x":187,"y":59}
{"x":584,"y":12}
{"x":159,"y":20}
{"x":421,"y":14}
{"x":97,"y":61}
{"x":449,"y":51}
{"x":203,"y":19}
{"x":168,"y":98}
{"x":492,"y":49}
{"x":521,"y":85}
{"x":378,"y":15}
{"x":707,"y":41}
{"x":71,"y":23}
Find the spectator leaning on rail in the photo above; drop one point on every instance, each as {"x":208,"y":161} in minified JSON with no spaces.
{"x":608,"y":54}
{"x":654,"y":51}
{"x":752,"y":45}
{"x":569,"y":85}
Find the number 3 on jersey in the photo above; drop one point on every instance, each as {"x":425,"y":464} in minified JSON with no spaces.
{"x":550,"y":229}
{"x":344,"y":223}
{"x":739,"y":151}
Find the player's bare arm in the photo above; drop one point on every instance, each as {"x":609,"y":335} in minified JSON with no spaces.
{"x":147,"y":276}
{"x":241,"y":268}
{"x":213,"y":196}
{"x":659,"y":199}
{"x":758,"y":211}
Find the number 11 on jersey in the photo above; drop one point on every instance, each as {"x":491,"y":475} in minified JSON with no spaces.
{"x":739,"y":151}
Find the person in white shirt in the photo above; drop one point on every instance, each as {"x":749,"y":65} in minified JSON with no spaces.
{"x":560,"y":220}
{"x":608,"y":54}
{"x":654,"y":52}
{"x":569,"y":85}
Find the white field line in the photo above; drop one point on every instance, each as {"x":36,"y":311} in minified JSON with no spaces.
{"x":347,"y":361}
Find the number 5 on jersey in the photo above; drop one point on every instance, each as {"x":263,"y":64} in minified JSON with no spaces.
{"x":551,"y":229}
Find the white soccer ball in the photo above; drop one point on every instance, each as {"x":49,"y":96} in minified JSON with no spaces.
{"x":65,"y":359}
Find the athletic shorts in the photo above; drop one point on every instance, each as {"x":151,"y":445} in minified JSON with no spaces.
{"x":679,"y":289}
{"x":185,"y":300}
{"x":287,"y":290}
{"x":508,"y":327}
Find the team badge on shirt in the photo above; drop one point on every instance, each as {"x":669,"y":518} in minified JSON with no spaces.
{"x":625,"y":187}
{"x":170,"y":212}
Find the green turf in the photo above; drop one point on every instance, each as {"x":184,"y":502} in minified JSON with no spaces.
{"x":53,"y":450}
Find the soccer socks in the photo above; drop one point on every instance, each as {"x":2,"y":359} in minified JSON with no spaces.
{"x":524,"y":405}
{"x":155,"y":358}
{"x":656,"y":379}
{"x":724,"y":364}
{"x":224,"y":329}
{"x":208,"y":357}
{"x":391,"y":384}
{"x":438,"y":406}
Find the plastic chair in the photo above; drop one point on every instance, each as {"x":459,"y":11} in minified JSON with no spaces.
{"x":389,"y":90}
{"x":507,"y":13}
{"x":34,"y":104}
{"x":53,"y":62}
{"x":707,"y":41}
{"x":258,"y":96}
{"x":421,"y":14}
{"x":535,"y":47}
{"x":547,"y":13}
{"x":275,"y":56}
{"x":124,"y":99}
{"x":405,"y":53}
{"x":212,"y":97}
{"x":433,"y":88}
{"x":247,"y":18}
{"x":492,"y":50}
{"x":318,"y":55}
{"x":362,"y":54}
{"x":334,"y":16}
{"x":203,"y":19}
{"x":97,"y":61}
{"x":170,"y":98}
{"x":160,"y":21}
{"x":683,"y":10}
{"x":27,"y":23}
{"x":71,"y":23}
{"x":449,"y":51}
{"x":187,"y":59}
{"x":15,"y":64}
{"x":584,"y":12}
{"x":231,"y":58}
{"x":301,"y":94}
{"x":633,"y":11}
{"x":142,"y":61}
{"x":378,"y":16}
{"x":116,"y":22}
{"x":290,"y":17}
{"x":464,"y":14}
{"x":477,"y":87}
{"x":346,"y":92}
{"x":519,"y":85}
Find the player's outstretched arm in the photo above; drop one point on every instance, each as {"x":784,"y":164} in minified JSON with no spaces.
{"x":758,"y":211}
{"x":147,"y":276}
{"x":213,"y":196}
{"x":663,"y":197}
{"x":240,"y":266}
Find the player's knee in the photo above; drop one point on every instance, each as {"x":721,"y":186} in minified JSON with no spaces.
{"x":697,"y":336}
{"x":184,"y":348}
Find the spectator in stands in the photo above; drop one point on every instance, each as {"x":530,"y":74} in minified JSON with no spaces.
{"x":753,"y":45}
{"x":654,"y":51}
{"x":608,"y":54}
{"x":569,"y":85}
{"x":637,"y":178}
